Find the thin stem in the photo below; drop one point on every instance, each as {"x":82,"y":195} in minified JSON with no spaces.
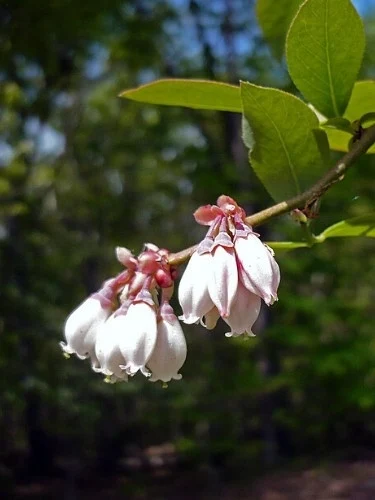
{"x":317,"y":190}
{"x":310,"y":238}
{"x":304,"y":199}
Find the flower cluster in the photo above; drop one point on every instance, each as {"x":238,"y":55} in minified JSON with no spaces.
{"x":129,"y":325}
{"x":230,"y":272}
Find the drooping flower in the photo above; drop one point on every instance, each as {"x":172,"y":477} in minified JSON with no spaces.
{"x":122,"y":328}
{"x":258,"y":270}
{"x":230,"y":272}
{"x":244,"y":312}
{"x":193,"y":291}
{"x":107,"y":349}
{"x":169,"y":353}
{"x":138,"y":339}
{"x":82,"y":325}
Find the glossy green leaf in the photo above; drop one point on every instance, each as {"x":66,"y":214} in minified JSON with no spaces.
{"x":200,"y":94}
{"x":362,"y":102}
{"x":287,"y":157}
{"x":324,"y":49}
{"x":274,"y":18}
{"x":339,"y":140}
{"x":363,"y":225}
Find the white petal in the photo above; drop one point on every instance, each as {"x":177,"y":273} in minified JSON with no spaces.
{"x":170,"y":352}
{"x":223,"y":281}
{"x":107,"y":348}
{"x":245,"y":311}
{"x":259,"y":271}
{"x":81,"y":327}
{"x":193,"y":289}
{"x":138,"y":342}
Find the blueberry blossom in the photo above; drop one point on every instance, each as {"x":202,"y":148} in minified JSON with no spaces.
{"x":229,"y":273}
{"x":169,"y":353}
{"x":82,"y":325}
{"x":122,"y":328}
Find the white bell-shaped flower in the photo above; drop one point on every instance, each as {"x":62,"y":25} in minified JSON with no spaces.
{"x":81,"y":328}
{"x":223,"y":281}
{"x":193,"y":291}
{"x":259,"y":271}
{"x":139,"y":338}
{"x":169,"y":353}
{"x":245,"y":311}
{"x":107,"y":348}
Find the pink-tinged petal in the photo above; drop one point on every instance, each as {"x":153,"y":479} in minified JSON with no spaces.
{"x":170,"y":350}
{"x":204,"y":215}
{"x":205,"y":245}
{"x":244,"y":312}
{"x":139,"y":339}
{"x":193,"y":293}
{"x":258,"y":269}
{"x":81,"y":327}
{"x":222,"y":239}
{"x":224,"y":201}
{"x":230,"y":207}
{"x":223,"y":281}
{"x":125,"y":257}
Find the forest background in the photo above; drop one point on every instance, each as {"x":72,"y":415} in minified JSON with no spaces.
{"x":82,"y":171}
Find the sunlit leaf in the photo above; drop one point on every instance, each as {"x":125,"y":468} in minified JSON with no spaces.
{"x":288,"y":154}
{"x":363,"y":225}
{"x":324,"y":48}
{"x":339,"y":140}
{"x":362,"y":102}
{"x":200,"y":94}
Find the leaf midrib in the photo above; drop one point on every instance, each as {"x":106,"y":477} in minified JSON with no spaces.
{"x":332,"y":92}
{"x":290,"y":163}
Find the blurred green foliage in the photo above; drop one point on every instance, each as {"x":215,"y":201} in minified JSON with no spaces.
{"x":83,"y":171}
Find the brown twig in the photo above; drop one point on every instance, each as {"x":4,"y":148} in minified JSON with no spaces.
{"x":312,"y":194}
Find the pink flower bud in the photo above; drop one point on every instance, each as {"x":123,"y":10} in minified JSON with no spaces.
{"x":163,"y":278}
{"x":125,"y":257}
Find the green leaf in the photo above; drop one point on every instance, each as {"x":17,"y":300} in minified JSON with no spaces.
{"x":324,"y":49}
{"x":287,"y":157}
{"x":339,"y":140}
{"x":274,"y":19}
{"x":363,"y":225}
{"x":339,"y":124}
{"x":367,"y":119}
{"x":362,"y":102}
{"x":200,"y":94}
{"x":286,"y":245}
